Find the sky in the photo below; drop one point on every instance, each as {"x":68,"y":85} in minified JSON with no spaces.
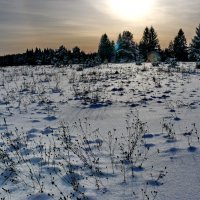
{"x":51,"y":23}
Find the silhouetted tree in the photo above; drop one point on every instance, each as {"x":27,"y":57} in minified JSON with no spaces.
{"x":48,"y":55}
{"x":153,"y":40}
{"x":38,"y":56}
{"x":194,"y":50}
{"x":168,"y":53}
{"x":180,"y":46}
{"x":106,"y":48}
{"x":76,"y":55}
{"x":61,"y":57}
{"x":144,"y":44}
{"x":30,"y":59}
{"x":171,"y":49}
{"x":149,"y":42}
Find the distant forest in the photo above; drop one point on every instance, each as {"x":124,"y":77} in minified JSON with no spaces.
{"x":124,"y":50}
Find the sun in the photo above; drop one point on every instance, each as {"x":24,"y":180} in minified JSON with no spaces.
{"x":130,"y":9}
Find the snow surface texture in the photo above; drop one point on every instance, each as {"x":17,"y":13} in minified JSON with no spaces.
{"x":109,"y":132}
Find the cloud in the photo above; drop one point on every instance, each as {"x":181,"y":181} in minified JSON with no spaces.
{"x":48,"y":23}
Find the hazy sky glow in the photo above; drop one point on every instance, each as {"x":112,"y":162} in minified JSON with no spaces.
{"x":50,"y":23}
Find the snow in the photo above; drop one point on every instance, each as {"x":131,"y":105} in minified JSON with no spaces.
{"x":116,"y":131}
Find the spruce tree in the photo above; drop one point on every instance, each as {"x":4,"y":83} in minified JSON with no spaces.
{"x":30,"y":60}
{"x":105,"y":49}
{"x":76,"y":55}
{"x":168,"y":52}
{"x":149,"y":42}
{"x":171,"y":49}
{"x":194,"y":51}
{"x":126,"y":49}
{"x":38,"y":56}
{"x":180,"y":46}
{"x":60,"y":57}
{"x":144,"y":43}
{"x":112,"y":51}
{"x":153,"y":40}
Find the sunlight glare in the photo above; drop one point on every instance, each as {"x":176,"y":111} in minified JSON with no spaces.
{"x":130,"y":9}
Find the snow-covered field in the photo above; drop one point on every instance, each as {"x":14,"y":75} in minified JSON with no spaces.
{"x":117,"y":131}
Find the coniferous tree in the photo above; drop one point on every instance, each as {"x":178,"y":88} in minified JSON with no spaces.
{"x":76,"y":55}
{"x":194,"y":50}
{"x":144,"y":44}
{"x":168,"y":53}
{"x":62,"y":55}
{"x":38,"y":56}
{"x":126,"y":49}
{"x":30,"y":60}
{"x":149,"y":42}
{"x":105,"y":49}
{"x":180,"y":46}
{"x":153,"y":40}
{"x":59,"y":57}
{"x":171,"y":49}
{"x":47,"y":56}
{"x":113,"y":58}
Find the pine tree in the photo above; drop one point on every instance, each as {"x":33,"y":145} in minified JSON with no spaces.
{"x":194,"y":51}
{"x":126,"y":49}
{"x":106,"y":48}
{"x":180,"y":46}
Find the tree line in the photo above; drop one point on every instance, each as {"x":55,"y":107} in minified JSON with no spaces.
{"x":58,"y":57}
{"x":148,"y":49}
{"x":125,"y":49}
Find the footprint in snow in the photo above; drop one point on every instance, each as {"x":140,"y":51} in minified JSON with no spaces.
{"x":50,"y":118}
{"x":148,"y":136}
{"x":192,"y":149}
{"x":39,"y":196}
{"x":149,"y":145}
{"x":173,"y":150}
